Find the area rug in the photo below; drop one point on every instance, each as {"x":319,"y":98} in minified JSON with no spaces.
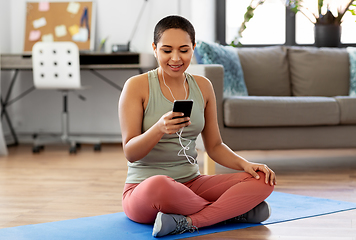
{"x":285,"y":207}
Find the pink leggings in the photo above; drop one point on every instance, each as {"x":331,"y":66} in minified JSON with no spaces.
{"x":205,"y":199}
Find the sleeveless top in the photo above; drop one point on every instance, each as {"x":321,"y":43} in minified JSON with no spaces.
{"x":163,"y":159}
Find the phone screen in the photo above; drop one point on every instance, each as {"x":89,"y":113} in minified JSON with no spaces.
{"x":184,"y":106}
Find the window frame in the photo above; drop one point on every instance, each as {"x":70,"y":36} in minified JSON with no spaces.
{"x":290,"y":29}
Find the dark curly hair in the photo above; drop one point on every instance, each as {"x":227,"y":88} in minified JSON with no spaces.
{"x":173,"y":21}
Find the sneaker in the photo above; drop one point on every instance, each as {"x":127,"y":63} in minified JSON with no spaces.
{"x":171,"y":224}
{"x":258,"y":214}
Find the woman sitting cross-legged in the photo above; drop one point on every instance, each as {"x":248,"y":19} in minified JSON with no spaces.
{"x":164,"y":185}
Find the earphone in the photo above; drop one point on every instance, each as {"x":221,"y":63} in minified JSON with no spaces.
{"x":190,"y":159}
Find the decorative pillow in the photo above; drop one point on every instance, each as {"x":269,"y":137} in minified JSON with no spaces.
{"x":319,"y":71}
{"x":213,"y":53}
{"x":266,"y":70}
{"x":352,"y":56}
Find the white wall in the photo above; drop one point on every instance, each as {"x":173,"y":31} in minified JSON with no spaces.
{"x":4,"y":25}
{"x":40,"y":110}
{"x":5,"y":39}
{"x":115,"y":20}
{"x":203,"y":19}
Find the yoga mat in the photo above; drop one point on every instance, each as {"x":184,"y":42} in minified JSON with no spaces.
{"x":285,"y":207}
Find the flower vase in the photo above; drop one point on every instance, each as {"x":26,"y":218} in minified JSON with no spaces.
{"x":327,"y":35}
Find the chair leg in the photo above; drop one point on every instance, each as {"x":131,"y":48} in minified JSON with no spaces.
{"x":65,"y":118}
{"x":73,"y":148}
{"x":64,"y":138}
{"x":209,"y":165}
{"x":73,"y":141}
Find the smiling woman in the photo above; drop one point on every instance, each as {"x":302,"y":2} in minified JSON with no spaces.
{"x":163,"y":186}
{"x":174,"y":52}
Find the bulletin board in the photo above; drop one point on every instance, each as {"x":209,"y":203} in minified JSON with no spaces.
{"x":60,"y":21}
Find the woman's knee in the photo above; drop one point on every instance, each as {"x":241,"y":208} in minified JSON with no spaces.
{"x":157,"y":186}
{"x":158,"y":181}
{"x":146,"y":199}
{"x":262,"y":180}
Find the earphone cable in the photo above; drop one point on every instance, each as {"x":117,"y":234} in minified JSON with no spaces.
{"x":185,"y":90}
{"x":190,"y":159}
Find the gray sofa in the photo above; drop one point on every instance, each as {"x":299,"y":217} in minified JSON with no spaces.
{"x":297,"y":99}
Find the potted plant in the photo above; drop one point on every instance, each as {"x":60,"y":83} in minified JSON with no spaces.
{"x":327,"y":29}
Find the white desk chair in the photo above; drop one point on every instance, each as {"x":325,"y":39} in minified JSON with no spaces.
{"x":56,"y":66}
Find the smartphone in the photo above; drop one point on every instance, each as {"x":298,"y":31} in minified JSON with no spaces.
{"x":184,"y":106}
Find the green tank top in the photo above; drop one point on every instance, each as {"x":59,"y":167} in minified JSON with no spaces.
{"x":163,"y":159}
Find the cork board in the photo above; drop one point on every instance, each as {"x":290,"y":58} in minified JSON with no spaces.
{"x":60,"y":21}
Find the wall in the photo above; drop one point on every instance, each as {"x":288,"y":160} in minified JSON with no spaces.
{"x":4,"y":26}
{"x":40,"y":110}
{"x":116,"y":18}
{"x":5,"y":43}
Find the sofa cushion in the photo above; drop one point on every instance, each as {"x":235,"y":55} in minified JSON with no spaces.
{"x":213,"y":53}
{"x":319,"y":71}
{"x":280,"y":111}
{"x":265,"y":70}
{"x":347,"y":107}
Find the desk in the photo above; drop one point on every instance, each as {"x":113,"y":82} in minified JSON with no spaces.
{"x":123,"y":60}
{"x":88,"y":61}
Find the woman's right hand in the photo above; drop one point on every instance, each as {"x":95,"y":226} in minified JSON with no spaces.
{"x":169,"y":125}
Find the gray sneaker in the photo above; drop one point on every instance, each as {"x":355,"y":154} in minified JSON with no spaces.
{"x":171,"y":224}
{"x":258,"y":214}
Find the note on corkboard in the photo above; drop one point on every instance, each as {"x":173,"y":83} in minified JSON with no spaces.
{"x":60,"y":21}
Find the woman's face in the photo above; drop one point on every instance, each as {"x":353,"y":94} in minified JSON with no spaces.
{"x":174,"y":51}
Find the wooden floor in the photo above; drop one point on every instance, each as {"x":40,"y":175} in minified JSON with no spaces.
{"x":54,"y":185}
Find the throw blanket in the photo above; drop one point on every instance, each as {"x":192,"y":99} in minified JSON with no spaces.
{"x":352,"y":56}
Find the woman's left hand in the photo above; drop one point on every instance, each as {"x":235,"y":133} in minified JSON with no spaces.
{"x":253,"y":168}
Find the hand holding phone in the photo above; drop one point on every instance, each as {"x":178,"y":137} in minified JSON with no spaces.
{"x":184,"y":106}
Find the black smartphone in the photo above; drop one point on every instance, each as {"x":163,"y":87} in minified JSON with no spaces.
{"x":184,"y":106}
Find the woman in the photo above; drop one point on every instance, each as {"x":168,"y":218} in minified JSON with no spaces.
{"x":162,"y":186}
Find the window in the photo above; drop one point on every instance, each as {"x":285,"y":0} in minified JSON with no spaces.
{"x":266,"y":27}
{"x":348,"y":27}
{"x":305,"y":28}
{"x":273,"y":24}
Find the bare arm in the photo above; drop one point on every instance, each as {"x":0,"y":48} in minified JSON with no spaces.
{"x":213,"y":143}
{"x":137,"y":144}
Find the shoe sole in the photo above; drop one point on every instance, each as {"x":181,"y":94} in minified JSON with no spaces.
{"x":158,"y":224}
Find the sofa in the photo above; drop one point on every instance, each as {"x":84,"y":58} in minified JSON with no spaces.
{"x":298,"y":98}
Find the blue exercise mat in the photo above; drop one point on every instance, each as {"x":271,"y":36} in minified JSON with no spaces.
{"x":285,"y":207}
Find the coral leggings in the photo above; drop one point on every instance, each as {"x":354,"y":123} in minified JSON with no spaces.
{"x":205,"y":199}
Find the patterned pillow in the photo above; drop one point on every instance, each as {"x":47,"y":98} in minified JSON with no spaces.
{"x":213,"y":53}
{"x":352,"y":56}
